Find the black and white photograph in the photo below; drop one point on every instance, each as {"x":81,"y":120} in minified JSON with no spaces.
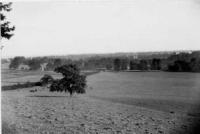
{"x":100,"y":66}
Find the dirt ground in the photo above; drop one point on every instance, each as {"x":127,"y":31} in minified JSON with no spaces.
{"x":45,"y":112}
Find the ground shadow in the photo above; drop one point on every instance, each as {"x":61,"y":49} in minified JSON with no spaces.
{"x":194,"y":127}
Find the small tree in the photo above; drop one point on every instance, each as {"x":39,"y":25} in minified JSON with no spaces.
{"x":46,"y":79}
{"x":72,"y":81}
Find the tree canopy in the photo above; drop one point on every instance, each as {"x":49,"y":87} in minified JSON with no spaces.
{"x":6,"y":28}
{"x":72,"y":81}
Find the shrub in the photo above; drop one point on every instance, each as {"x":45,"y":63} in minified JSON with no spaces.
{"x":46,"y":79}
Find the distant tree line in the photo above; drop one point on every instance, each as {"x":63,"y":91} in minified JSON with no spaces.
{"x":136,"y":64}
{"x":184,"y":62}
{"x":35,"y":63}
{"x":176,"y":62}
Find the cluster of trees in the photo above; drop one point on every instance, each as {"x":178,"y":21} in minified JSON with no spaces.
{"x":184,"y":62}
{"x":16,"y":61}
{"x":52,"y":63}
{"x":135,"y":64}
{"x":175,"y":62}
{"x":35,"y":63}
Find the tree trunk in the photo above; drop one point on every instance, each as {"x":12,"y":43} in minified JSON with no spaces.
{"x":72,"y":102}
{"x":70,"y":94}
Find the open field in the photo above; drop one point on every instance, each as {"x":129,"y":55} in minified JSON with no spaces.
{"x":125,"y":102}
{"x":147,"y":88}
{"x":11,"y":77}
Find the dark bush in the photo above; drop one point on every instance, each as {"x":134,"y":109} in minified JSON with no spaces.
{"x":46,"y":79}
{"x":17,"y":86}
{"x":38,"y":84}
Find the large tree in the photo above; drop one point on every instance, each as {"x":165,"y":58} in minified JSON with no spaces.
{"x":6,"y":28}
{"x":72,"y":81}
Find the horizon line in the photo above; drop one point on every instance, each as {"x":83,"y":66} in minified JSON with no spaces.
{"x":76,"y":54}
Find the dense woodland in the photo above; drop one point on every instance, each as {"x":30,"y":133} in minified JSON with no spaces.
{"x":174,"y":62}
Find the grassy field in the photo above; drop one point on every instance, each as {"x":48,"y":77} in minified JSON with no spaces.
{"x":11,"y":77}
{"x":157,"y":90}
{"x":124,"y":102}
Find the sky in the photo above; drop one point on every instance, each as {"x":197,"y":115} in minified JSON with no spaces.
{"x":102,"y":26}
